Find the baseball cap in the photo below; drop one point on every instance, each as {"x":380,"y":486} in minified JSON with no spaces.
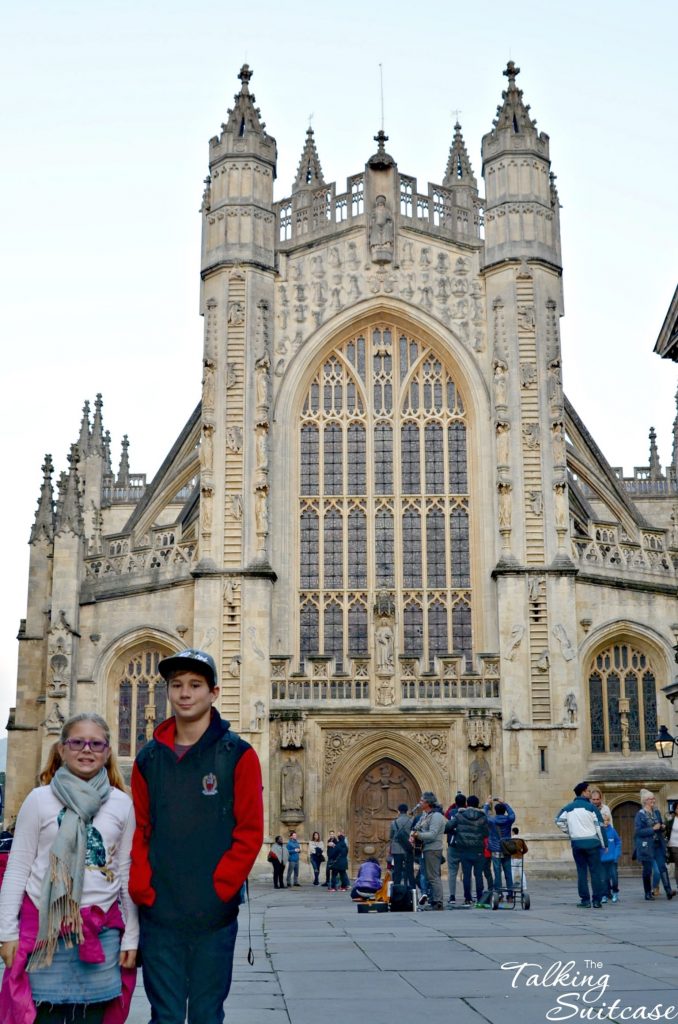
{"x":190,"y":659}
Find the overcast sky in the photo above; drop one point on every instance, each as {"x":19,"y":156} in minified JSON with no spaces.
{"x":106,"y":110}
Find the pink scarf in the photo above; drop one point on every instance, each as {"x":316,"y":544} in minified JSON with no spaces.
{"x":16,"y":1000}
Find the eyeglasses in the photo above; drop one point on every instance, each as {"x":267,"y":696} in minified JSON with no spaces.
{"x":77,"y":744}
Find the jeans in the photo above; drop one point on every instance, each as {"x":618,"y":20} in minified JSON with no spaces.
{"x":472,"y":863}
{"x":502,"y":863}
{"x":183,"y":967}
{"x":315,"y":864}
{"x":453,"y":862}
{"x":610,"y":876}
{"x":339,"y":875}
{"x":278,"y":875}
{"x":293,"y":869}
{"x":432,"y":865}
{"x":422,"y":880}
{"x":587,"y":860}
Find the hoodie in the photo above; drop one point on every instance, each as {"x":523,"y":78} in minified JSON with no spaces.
{"x":193,"y":846}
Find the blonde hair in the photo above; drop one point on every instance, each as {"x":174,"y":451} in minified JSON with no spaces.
{"x":54,"y":761}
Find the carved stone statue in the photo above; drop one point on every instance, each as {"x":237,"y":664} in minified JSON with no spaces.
{"x":517,"y":634}
{"x":262,"y":377}
{"x":480,"y":776}
{"x":206,"y":448}
{"x":262,"y":451}
{"x":261,"y":513}
{"x":292,"y":788}
{"x":208,"y":388}
{"x":381,"y":232}
{"x":236,"y":313}
{"x":561,"y":503}
{"x":500,"y":383}
{"x":567,"y":650}
{"x":504,"y":490}
{"x":570,"y":708}
{"x":502,"y":430}
{"x":384,"y":641}
{"x":558,"y":442}
{"x":257,"y":723}
{"x":206,"y":507}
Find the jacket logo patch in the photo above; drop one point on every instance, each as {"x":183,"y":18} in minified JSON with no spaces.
{"x":209,"y":784}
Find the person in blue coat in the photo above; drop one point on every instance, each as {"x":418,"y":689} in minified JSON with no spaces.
{"x":500,"y":828}
{"x":609,"y":860}
{"x":650,"y":845}
{"x":293,"y":851}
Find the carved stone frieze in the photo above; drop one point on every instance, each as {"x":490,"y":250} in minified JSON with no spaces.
{"x":435,"y":744}
{"x":292,"y":733}
{"x":312,"y":289}
{"x":479,"y":732}
{"x":336,"y":744}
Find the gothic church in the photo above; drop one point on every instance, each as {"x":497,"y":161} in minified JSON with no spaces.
{"x":413,"y":565}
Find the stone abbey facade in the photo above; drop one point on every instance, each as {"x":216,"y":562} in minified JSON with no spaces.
{"x":413,"y":565}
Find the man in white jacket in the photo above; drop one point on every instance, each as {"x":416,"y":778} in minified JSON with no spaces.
{"x":582,"y":822}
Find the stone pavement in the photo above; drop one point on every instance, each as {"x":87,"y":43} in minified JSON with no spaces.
{"x":316,"y":958}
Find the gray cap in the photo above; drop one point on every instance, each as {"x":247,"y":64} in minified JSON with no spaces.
{"x":187,"y":661}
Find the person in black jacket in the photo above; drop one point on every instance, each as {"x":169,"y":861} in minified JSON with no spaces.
{"x":338,"y":859}
{"x":401,"y":848}
{"x":197,"y":797}
{"x":469,"y":828}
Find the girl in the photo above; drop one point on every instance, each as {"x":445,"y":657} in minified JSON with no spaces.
{"x":316,"y":855}
{"x":63,"y":938}
{"x":278,"y":865}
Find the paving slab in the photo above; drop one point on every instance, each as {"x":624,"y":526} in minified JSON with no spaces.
{"x":315,"y":956}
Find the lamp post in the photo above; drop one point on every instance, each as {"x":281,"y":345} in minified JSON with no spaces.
{"x":664,"y":743}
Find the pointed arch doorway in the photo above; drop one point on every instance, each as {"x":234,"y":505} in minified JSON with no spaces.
{"x":374,"y":805}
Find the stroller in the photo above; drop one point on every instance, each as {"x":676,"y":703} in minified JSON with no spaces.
{"x":516,"y":848}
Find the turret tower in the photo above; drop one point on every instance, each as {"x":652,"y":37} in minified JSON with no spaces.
{"x":535,"y":575}
{"x":238,"y":258}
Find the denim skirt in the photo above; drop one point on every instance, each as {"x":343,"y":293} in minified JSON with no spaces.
{"x":69,"y":980}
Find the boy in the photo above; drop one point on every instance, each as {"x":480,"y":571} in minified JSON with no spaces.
{"x":199,"y":827}
{"x":609,"y":860}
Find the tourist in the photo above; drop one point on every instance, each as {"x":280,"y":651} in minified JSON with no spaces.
{"x":401,"y":848}
{"x":650,"y":844}
{"x":316,"y":855}
{"x":198,"y":801}
{"x":583,"y":823}
{"x":470,"y":828}
{"x":293,"y":853}
{"x":276,"y":858}
{"x":453,"y":855}
{"x":67,"y":923}
{"x":609,"y":858}
{"x":500,"y":830}
{"x":430,"y":831}
{"x":338,"y":858}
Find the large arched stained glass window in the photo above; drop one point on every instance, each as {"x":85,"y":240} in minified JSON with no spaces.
{"x":622,"y":696}
{"x":384,"y":501}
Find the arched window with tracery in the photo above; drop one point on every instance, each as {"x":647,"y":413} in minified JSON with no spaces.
{"x":384,"y":500}
{"x":142,"y":698}
{"x":622,"y":685}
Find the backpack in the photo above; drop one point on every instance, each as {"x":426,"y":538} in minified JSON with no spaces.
{"x":400,"y":899}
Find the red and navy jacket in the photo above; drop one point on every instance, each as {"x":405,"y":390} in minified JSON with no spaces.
{"x":193,"y":846}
